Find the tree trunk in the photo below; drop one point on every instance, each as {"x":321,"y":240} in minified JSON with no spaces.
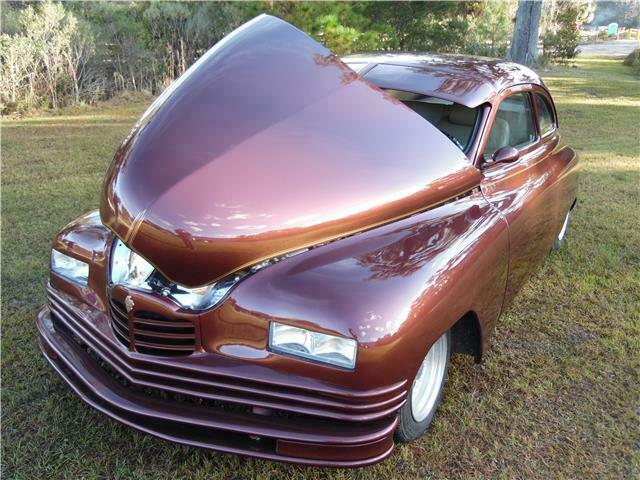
{"x":524,"y":44}
{"x":183,"y":56}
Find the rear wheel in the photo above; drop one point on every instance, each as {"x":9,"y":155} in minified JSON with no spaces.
{"x":416,"y":415}
{"x":563,"y":231}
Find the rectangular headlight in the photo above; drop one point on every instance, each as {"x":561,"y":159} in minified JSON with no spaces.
{"x":69,"y":267}
{"x":316,"y":346}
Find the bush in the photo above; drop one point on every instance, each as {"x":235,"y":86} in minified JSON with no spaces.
{"x":43,"y":65}
{"x":633,"y":60}
{"x":560,"y":46}
{"x":561,"y":43}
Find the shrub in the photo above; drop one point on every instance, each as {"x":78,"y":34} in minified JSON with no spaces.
{"x":42,"y":65}
{"x":562,"y":44}
{"x":633,"y":60}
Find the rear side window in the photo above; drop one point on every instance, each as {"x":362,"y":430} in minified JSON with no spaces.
{"x":545,"y":114}
{"x":513,"y":126}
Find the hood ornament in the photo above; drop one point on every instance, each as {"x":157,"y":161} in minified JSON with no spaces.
{"x":128,"y":303}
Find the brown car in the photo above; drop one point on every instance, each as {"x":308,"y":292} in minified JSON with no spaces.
{"x":287,"y":252}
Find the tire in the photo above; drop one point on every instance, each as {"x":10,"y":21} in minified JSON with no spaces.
{"x":425,"y":393}
{"x":557,"y":243}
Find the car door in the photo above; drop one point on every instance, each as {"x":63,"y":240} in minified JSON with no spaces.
{"x":535,"y":191}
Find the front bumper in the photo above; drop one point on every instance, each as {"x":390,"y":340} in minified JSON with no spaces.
{"x":150,"y":398}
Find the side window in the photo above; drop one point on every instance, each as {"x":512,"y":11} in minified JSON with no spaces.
{"x":513,"y":125}
{"x":545,"y":114}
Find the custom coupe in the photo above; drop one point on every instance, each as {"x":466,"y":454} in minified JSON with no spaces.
{"x":290,"y":245}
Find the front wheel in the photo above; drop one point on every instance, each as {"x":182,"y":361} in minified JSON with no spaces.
{"x":416,"y":415}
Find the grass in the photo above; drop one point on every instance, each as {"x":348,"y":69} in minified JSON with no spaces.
{"x":556,"y":397}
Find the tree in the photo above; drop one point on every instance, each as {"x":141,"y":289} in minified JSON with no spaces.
{"x":491,"y":28}
{"x":524,"y":43}
{"x":76,"y":56}
{"x":19,"y":75}
{"x":421,"y":26}
{"x":50,"y":29}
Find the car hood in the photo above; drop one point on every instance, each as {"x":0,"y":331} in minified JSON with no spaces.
{"x":268,"y":144}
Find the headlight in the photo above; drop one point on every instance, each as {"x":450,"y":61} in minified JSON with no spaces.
{"x":69,"y":267}
{"x":129,"y":268}
{"x":316,"y":346}
{"x":202,"y":297}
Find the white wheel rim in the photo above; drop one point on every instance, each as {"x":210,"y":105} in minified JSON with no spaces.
{"x":428,"y":381}
{"x":564,"y":227}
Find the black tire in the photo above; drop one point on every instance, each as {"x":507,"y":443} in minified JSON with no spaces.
{"x":557,"y":243}
{"x":408,"y":428}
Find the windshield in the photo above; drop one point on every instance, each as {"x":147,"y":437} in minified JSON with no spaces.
{"x":454,"y":120}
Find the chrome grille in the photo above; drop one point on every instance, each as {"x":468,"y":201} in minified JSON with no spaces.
{"x":152,"y":333}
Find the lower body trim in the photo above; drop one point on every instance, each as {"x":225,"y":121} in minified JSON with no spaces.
{"x":306,"y":441}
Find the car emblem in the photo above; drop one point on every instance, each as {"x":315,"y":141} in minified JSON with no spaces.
{"x":128,"y":303}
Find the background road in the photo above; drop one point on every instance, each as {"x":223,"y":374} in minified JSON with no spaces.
{"x":612,"y":48}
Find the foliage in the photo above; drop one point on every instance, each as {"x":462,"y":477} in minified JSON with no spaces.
{"x":57,"y":53}
{"x":491,"y":29}
{"x":45,"y":60}
{"x":633,"y":60}
{"x":560,"y":42}
{"x":79,"y":52}
{"x":420,"y":26}
{"x":341,"y":26}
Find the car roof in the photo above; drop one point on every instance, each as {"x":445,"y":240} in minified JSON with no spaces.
{"x":470,"y":81}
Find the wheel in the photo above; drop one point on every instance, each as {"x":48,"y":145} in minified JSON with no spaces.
{"x":424,"y":396}
{"x":557,"y":243}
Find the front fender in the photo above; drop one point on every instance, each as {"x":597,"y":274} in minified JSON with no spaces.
{"x":395,"y":289}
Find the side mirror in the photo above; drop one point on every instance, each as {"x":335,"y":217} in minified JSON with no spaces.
{"x":506,"y":154}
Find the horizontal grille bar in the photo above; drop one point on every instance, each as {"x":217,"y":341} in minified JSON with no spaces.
{"x":122,"y":324}
{"x":118,"y":309}
{"x":163,"y":326}
{"x":176,"y":337}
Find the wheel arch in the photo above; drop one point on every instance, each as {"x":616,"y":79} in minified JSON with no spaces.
{"x":466,"y":336}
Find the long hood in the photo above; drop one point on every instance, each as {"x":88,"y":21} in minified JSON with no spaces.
{"x":268,"y":144}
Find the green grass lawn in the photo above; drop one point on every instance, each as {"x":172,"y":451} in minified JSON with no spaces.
{"x":556,"y":397}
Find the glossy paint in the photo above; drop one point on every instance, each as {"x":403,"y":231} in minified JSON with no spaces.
{"x":268,"y":144}
{"x":470,"y":81}
{"x":534,"y":194}
{"x":395,"y":284}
